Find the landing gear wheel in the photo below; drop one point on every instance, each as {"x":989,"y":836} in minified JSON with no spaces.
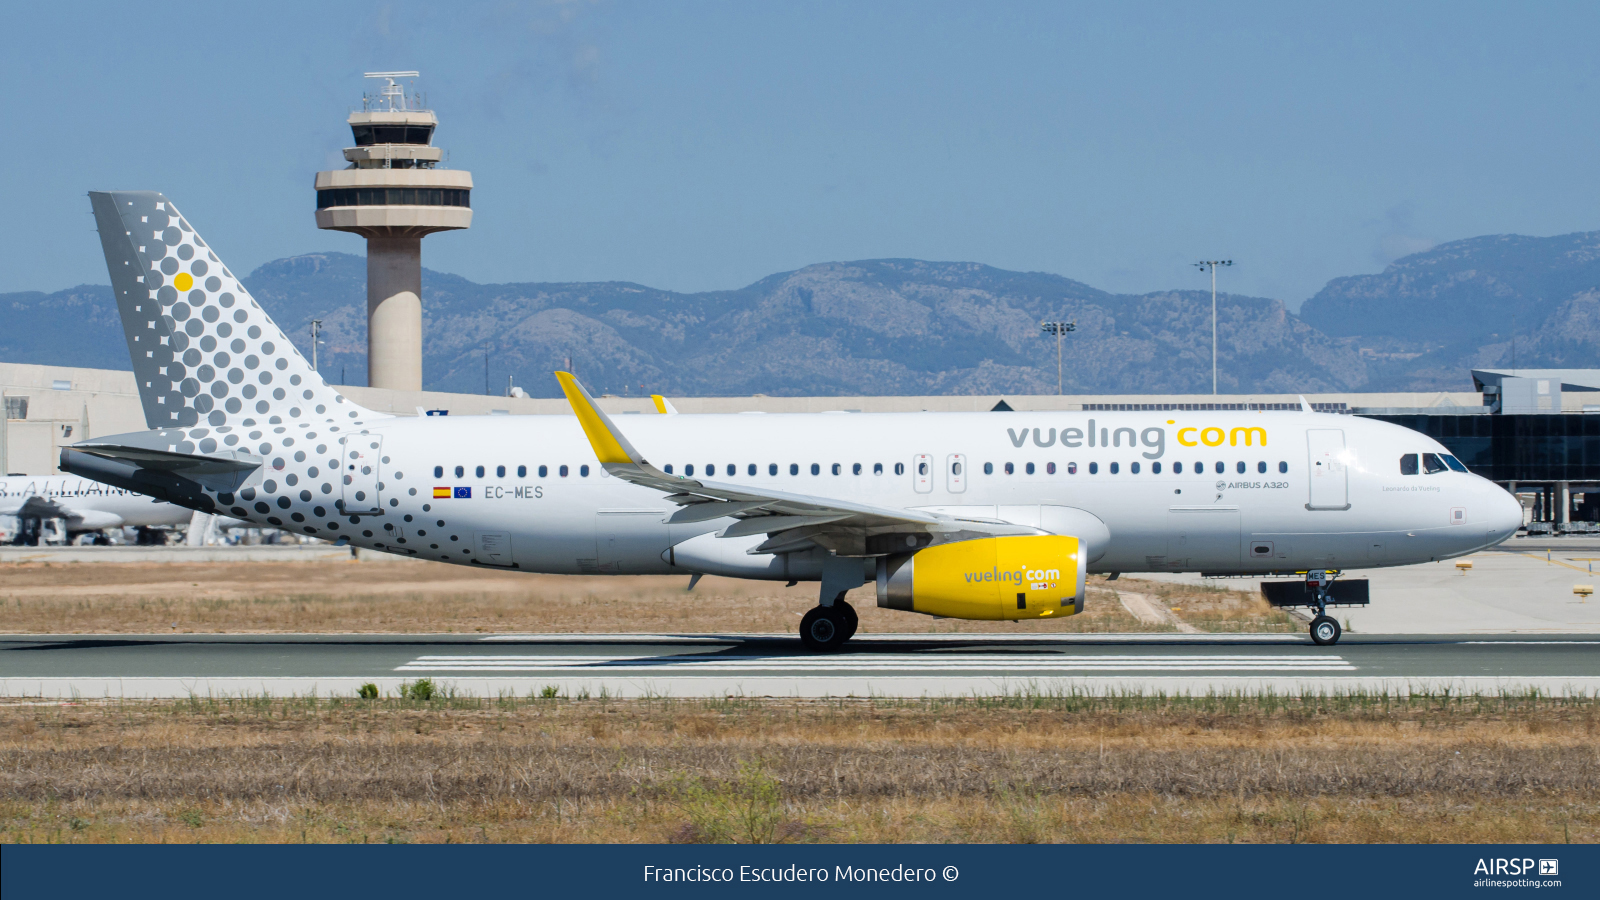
{"x":823,"y":630}
{"x":1325,"y":631}
{"x":851,"y":620}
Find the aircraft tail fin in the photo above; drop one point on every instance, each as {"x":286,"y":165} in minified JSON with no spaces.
{"x":204,"y":352}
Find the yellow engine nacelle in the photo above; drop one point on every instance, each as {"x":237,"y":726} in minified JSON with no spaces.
{"x":1014,"y":577}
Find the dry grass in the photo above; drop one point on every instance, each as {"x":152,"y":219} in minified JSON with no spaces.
{"x":415,"y":597}
{"x":1019,"y":768}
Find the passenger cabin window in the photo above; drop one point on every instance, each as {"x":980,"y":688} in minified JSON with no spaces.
{"x":752,"y":469}
{"x":1049,"y":468}
{"x":1155,"y":468}
{"x":922,"y":468}
{"x":499,"y":471}
{"x":836,"y":469}
{"x":583,"y":471}
{"x":1028,"y":468}
{"x":562,"y":471}
{"x":988,"y":469}
{"x":669,"y":468}
{"x":1094,"y":468}
{"x":877,"y":468}
{"x":794,"y":468}
{"x":1177,"y":468}
{"x":1072,"y":468}
{"x":460,"y":471}
{"x":1283,"y":468}
{"x":1240,"y":467}
{"x":438,"y":471}
{"x":479,"y":471}
{"x":1221,"y":468}
{"x":732,"y":469}
{"x":1010,"y":469}
{"x":900,"y":468}
{"x":522,"y":471}
{"x":772,"y":468}
{"x":1114,"y":468}
{"x":816,"y":469}
{"x":855,"y":468}
{"x":545,"y":470}
{"x":1133,"y":468}
{"x":1261,"y":467}
{"x":1408,"y":464}
{"x":1431,"y":463}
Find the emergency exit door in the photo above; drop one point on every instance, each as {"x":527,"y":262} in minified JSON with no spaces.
{"x":1329,"y":475}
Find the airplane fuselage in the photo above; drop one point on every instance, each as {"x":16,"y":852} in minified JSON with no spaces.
{"x":1211,"y":492}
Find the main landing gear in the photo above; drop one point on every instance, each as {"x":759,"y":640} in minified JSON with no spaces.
{"x":832,"y":621}
{"x":825,"y":628}
{"x":1325,"y":630}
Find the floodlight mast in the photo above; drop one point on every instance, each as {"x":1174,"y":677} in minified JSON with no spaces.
{"x":316,"y":331}
{"x":1058,"y":329}
{"x":1212,"y":264}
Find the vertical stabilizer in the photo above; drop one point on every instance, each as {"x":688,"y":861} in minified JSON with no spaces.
{"x":204,"y":352}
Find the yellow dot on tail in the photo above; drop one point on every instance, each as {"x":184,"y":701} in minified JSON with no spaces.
{"x":183,"y":282}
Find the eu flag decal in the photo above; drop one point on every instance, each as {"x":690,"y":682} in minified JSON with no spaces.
{"x":463,"y":493}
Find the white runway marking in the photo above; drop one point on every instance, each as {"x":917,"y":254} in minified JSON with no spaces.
{"x":873,"y":662}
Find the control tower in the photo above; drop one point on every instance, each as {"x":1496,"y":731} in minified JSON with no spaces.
{"x":393,"y":194}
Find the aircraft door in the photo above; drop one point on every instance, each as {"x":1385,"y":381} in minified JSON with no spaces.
{"x":922,"y":473}
{"x":359,"y":496}
{"x":956,"y":472}
{"x":1329,"y":476}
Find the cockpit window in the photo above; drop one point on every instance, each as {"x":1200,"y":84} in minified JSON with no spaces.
{"x":1431,"y":463}
{"x":1408,"y":464}
{"x":1453,"y":463}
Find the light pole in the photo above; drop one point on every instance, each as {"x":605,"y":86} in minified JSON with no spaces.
{"x":316,"y":329}
{"x":1212,"y":265}
{"x":1058,"y":329}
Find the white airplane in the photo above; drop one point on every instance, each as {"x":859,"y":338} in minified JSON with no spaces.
{"x":970,"y":515}
{"x":84,"y":505}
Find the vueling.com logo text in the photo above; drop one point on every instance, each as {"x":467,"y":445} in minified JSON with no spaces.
{"x":1213,"y":436}
{"x":1020,"y":576}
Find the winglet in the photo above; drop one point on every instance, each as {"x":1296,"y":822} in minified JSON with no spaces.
{"x":609,"y":444}
{"x":1304,"y":406}
{"x":663,"y":405}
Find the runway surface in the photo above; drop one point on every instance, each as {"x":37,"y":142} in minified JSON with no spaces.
{"x":93,"y":666}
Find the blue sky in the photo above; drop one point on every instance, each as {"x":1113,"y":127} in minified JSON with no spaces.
{"x":697,"y":146}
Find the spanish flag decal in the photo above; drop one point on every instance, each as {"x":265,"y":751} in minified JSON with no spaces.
{"x":441,"y":493}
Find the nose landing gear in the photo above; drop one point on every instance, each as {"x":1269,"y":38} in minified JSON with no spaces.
{"x":1325,"y":630}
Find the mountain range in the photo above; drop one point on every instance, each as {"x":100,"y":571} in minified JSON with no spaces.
{"x":902,"y":326}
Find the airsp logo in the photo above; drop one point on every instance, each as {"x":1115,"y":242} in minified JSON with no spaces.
{"x":1549,"y":867}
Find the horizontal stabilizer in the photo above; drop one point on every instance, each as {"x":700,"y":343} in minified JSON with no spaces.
{"x":146,"y":462}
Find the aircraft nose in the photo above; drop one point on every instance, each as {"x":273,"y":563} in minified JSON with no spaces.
{"x":1505,"y":514}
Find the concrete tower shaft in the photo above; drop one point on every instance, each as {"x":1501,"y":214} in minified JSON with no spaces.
{"x":393,"y":193}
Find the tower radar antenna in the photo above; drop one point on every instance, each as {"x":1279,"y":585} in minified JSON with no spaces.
{"x":393,"y":95}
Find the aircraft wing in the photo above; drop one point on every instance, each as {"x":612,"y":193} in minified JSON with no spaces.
{"x":791,"y":521}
